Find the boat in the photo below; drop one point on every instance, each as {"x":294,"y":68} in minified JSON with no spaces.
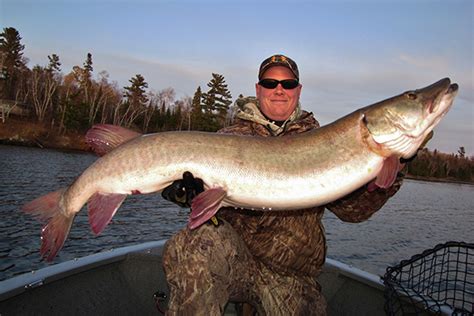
{"x":130,"y":281}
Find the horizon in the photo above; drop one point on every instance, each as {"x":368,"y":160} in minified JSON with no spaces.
{"x":364,"y":52}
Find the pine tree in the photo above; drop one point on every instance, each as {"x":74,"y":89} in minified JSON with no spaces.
{"x":11,"y":61}
{"x":218,"y":98}
{"x":54,"y":63}
{"x":11,"y":50}
{"x":136,"y":99}
{"x":88,"y":63}
{"x":86,"y":77}
{"x":196,"y":110}
{"x":135,"y":93}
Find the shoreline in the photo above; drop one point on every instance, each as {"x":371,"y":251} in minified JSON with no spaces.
{"x":429,"y":179}
{"x":34,"y":134}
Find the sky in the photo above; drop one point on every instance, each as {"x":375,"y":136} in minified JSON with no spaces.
{"x":350,"y":53}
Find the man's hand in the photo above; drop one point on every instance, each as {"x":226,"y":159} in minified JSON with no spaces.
{"x":183,"y":191}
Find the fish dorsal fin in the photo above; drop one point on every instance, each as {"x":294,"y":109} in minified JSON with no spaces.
{"x":388,"y":174}
{"x":103,"y":138}
{"x":205,"y":206}
{"x":102,"y":208}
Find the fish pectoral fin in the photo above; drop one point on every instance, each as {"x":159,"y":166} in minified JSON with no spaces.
{"x":205,"y":206}
{"x":388,"y":174}
{"x":103,"y":138}
{"x":102,"y":208}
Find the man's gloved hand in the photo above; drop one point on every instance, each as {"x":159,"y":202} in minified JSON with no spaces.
{"x":183,"y":191}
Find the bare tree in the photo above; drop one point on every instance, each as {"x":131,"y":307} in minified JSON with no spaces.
{"x":166,"y":97}
{"x":68,"y":90}
{"x":99,"y":95}
{"x":112,"y":97}
{"x":44,"y":83}
{"x":150,"y":110}
{"x":184,"y":105}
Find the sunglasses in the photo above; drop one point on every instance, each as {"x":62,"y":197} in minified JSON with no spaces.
{"x":287,"y":84}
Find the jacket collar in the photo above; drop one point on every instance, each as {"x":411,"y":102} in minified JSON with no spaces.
{"x":250,"y":111}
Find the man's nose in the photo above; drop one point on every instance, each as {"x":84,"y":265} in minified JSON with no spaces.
{"x":279,"y":89}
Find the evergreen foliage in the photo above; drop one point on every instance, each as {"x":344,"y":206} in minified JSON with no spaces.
{"x":11,"y":61}
{"x":136,"y":93}
{"x":88,"y":64}
{"x":217,"y":99}
{"x":197,"y":112}
{"x":11,"y":50}
{"x":54,"y":64}
{"x":215,"y":103}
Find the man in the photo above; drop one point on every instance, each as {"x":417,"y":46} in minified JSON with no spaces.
{"x":267,"y":259}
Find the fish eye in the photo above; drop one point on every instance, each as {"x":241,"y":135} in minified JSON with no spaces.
{"x":411,"y":95}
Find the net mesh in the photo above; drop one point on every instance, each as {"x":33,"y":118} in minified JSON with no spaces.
{"x":439,"y":281}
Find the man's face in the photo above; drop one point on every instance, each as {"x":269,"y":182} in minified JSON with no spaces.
{"x":278,"y":103}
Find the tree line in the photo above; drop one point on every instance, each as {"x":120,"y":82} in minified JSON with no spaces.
{"x":77,"y":100}
{"x":434,"y":164}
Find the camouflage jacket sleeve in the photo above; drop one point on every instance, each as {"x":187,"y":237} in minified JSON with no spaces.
{"x":361,"y":204}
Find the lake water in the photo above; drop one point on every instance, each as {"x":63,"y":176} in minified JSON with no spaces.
{"x":418,"y":217}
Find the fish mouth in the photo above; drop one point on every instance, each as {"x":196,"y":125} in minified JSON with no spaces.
{"x":453,"y":88}
{"x":451,"y":93}
{"x":439,"y":96}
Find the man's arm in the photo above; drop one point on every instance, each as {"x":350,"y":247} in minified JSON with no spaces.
{"x":359,"y":205}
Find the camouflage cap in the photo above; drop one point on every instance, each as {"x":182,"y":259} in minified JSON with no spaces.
{"x":279,"y":60}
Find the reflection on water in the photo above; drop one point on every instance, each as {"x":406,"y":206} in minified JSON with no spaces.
{"x":418,"y":217}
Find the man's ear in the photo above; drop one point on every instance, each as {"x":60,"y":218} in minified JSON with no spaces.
{"x":299,"y":92}
{"x":257,"y":90}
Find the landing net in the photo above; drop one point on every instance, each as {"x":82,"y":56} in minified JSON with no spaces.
{"x":439,"y":281}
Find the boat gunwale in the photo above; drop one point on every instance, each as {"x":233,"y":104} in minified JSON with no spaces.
{"x":28,"y":281}
{"x":19,"y":284}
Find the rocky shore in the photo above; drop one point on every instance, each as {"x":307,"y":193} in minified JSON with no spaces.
{"x":34,"y":134}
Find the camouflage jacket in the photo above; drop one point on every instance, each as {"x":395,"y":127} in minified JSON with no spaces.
{"x":293,"y":241}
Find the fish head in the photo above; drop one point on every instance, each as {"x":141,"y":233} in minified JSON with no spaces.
{"x":399,"y":125}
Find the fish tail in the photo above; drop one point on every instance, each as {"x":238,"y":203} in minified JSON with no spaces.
{"x":48,"y":208}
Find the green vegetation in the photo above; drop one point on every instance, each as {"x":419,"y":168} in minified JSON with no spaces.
{"x":76,"y":101}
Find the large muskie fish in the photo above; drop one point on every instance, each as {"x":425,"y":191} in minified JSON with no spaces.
{"x":276,"y":173}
